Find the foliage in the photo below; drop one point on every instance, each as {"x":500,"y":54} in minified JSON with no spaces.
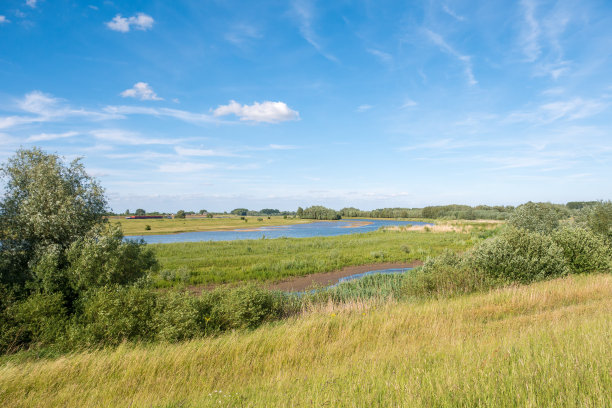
{"x":537,"y":217}
{"x":180,"y":214}
{"x":598,"y":218}
{"x":269,"y":211}
{"x":46,"y":204}
{"x":240,"y":211}
{"x":317,"y":212}
{"x":583,"y":249}
{"x":445,"y":275}
{"x":521,"y":256}
{"x":101,"y":258}
{"x":140,"y":211}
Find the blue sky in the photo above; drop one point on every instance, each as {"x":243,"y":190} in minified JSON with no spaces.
{"x":224,"y":104}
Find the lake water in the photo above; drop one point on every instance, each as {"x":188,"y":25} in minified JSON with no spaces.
{"x":315,"y":229}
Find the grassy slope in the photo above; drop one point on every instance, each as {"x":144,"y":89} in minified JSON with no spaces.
{"x":192,"y":224}
{"x":274,"y":259}
{"x":544,"y":345}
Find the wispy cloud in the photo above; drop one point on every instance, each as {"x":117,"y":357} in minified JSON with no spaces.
{"x":531,"y":31}
{"x":572,"y":109}
{"x":142,"y":91}
{"x":51,"y":136}
{"x":465,"y":59}
{"x":184,"y":167}
{"x":239,"y":34}
{"x":124,"y":137}
{"x":183,"y":151}
{"x":4,"y":20}
{"x":408,"y":103}
{"x":31,"y":3}
{"x":384,"y":57}
{"x":304,"y":12}
{"x":46,"y":108}
{"x":363,"y":108}
{"x":140,"y":21}
{"x":270,"y":112}
{"x":192,"y":117}
{"x":451,"y":13}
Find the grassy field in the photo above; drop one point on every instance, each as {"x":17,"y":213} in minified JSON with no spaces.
{"x":273,"y":259}
{"x":193,"y":224}
{"x":543,"y":345}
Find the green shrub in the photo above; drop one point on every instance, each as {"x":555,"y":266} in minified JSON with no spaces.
{"x":584,"y":250}
{"x":111,"y":315}
{"x":518,"y":255}
{"x":102,"y":258}
{"x":178,"y":317}
{"x":598,"y":218}
{"x":446,"y":275}
{"x":39,"y":320}
{"x":245,"y":307}
{"x":536,"y":217}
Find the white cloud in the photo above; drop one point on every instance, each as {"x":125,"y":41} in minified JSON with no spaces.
{"x":383,"y":56}
{"x":465,"y":59}
{"x":270,"y":112}
{"x":408,"y":103}
{"x":173,"y":113}
{"x":51,"y":136}
{"x":142,"y":91}
{"x":451,"y":13}
{"x":184,"y":167}
{"x":182,"y":151}
{"x":125,"y":137}
{"x":31,"y":3}
{"x":140,"y":21}
{"x":242,"y":33}
{"x":531,"y":33}
{"x":573,"y":109}
{"x":3,"y":20}
{"x":363,"y":108}
{"x":303,"y":10}
{"x":282,"y":147}
{"x":47,"y":108}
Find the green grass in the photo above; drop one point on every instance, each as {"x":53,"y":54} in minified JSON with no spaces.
{"x":542,"y":345}
{"x":274,"y":259}
{"x":192,"y":224}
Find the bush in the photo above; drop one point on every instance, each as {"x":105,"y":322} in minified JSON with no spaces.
{"x":519,"y":256}
{"x":536,"y":217}
{"x":102,"y":258}
{"x":111,"y":315}
{"x":246,"y":307}
{"x":583,"y":249}
{"x":39,"y":320}
{"x":598,"y":218}
{"x":179,"y":317}
{"x":445,"y":275}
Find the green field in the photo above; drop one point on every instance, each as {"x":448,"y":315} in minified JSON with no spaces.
{"x":194,"y":224}
{"x":273,"y":259}
{"x":542,"y":345}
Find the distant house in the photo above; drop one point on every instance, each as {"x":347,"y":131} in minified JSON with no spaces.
{"x":143,"y":217}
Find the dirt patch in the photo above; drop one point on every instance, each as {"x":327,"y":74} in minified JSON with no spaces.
{"x":300,"y":283}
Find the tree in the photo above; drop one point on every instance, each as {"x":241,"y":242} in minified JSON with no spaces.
{"x":180,"y":214}
{"x":140,"y":211}
{"x":240,"y":211}
{"x":202,"y":212}
{"x":300,"y":212}
{"x":598,"y":218}
{"x":46,"y":204}
{"x":53,"y":234}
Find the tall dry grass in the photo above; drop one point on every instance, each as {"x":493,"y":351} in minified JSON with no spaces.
{"x":543,"y":345}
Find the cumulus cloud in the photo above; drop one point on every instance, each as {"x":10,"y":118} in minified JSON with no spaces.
{"x":270,"y":112}
{"x":31,"y":3}
{"x":3,"y":20}
{"x":142,"y":91}
{"x":140,"y":21}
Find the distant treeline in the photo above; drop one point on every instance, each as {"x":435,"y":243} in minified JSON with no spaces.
{"x":452,"y":211}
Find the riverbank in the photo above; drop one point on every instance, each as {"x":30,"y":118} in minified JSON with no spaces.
{"x":301,"y":283}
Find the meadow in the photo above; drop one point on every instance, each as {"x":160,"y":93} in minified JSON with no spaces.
{"x":267,"y":260}
{"x":539,"y":345}
{"x":160,"y":226}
